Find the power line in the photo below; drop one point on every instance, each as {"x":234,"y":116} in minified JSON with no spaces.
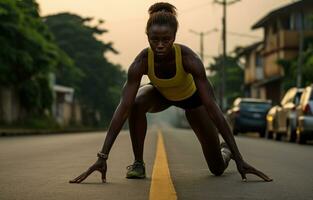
{"x":242,"y":34}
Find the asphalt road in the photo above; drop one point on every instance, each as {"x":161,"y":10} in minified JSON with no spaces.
{"x":39,"y":167}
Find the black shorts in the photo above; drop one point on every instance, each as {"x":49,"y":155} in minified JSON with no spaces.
{"x":191,"y":102}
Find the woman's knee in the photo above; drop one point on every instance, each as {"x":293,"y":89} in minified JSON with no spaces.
{"x":217,"y":171}
{"x":141,"y":104}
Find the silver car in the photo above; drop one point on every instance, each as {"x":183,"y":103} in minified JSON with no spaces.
{"x":305,"y":116}
{"x":281,"y":119}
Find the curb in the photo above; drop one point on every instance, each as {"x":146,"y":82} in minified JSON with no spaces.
{"x":28,"y":132}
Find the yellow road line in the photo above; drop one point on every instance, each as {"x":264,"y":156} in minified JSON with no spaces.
{"x":161,"y":184}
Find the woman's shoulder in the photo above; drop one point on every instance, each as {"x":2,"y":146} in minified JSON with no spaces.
{"x":188,"y":55}
{"x":185,"y":50}
{"x":142,"y":57}
{"x":140,"y":62}
{"x":143,"y":54}
{"x":190,"y":59}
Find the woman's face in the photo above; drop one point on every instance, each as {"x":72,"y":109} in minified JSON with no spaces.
{"x":161,"y":39}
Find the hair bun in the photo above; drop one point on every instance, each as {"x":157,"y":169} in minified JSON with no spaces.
{"x":162,"y":7}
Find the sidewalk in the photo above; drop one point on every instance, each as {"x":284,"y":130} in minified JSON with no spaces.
{"x":7,"y":132}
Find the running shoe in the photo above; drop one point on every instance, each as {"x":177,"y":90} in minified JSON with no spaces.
{"x":226,"y":153}
{"x":136,"y":170}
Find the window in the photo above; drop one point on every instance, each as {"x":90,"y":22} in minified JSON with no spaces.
{"x":255,"y":105}
{"x":274,"y":28}
{"x":304,"y":96}
{"x":258,"y":60}
{"x":295,"y":21}
{"x":311,"y":89}
{"x":299,"y":19}
{"x":296,"y":100}
{"x":285,"y":23}
{"x":259,"y":66}
{"x":308,"y":18}
{"x":288,"y":96}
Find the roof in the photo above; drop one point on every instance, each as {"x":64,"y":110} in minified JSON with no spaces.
{"x":268,"y":80}
{"x":283,"y":10}
{"x":249,"y":48}
{"x":63,"y":89}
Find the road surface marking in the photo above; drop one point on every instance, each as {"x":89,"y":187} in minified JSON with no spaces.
{"x":161,"y":184}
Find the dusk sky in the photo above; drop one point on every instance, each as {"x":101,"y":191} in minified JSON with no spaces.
{"x":126,"y":21}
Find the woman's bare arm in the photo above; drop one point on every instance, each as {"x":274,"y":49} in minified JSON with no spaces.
{"x":135,"y":73}
{"x":130,"y":89}
{"x":195,"y":66}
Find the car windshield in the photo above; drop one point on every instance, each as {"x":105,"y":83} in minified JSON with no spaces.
{"x":255,"y":105}
{"x":296,"y":100}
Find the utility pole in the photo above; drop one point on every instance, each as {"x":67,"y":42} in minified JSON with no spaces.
{"x":202,"y":34}
{"x":300,"y":56}
{"x":224,"y":3}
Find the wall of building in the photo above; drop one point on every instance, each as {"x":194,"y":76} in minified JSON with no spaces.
{"x":282,"y":45}
{"x":250,"y":68}
{"x":76,"y":113}
{"x":258,"y":92}
{"x":271,"y":68}
{"x":67,"y":113}
{"x":273,"y":91}
{"x":10,"y":109}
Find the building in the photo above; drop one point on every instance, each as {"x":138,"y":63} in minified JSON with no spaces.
{"x":253,"y":70}
{"x":282,"y":30}
{"x":10,"y":107}
{"x":64,"y":109}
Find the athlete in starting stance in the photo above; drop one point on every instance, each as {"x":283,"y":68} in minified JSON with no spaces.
{"x":177,"y":78}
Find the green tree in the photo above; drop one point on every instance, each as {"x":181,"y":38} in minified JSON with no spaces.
{"x":234,"y":77}
{"x":290,"y":67}
{"x":99,"y":88}
{"x":27,"y":54}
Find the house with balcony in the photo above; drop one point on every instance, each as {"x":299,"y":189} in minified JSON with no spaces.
{"x":283,"y":28}
{"x":253,"y":69}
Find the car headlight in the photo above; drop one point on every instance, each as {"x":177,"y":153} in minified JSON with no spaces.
{"x":269,"y":118}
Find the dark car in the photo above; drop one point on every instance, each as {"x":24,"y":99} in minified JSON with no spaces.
{"x":248,"y":115}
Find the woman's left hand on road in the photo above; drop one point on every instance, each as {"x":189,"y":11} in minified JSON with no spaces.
{"x":100,"y":165}
{"x":244,"y":168}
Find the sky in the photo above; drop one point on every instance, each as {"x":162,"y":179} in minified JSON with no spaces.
{"x":126,"y":22}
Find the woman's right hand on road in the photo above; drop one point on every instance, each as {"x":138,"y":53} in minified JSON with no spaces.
{"x":100,"y":165}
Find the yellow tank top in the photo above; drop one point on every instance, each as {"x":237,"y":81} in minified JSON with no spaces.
{"x":177,"y":88}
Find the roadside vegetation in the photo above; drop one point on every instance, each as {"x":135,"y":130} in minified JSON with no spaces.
{"x":35,"y":49}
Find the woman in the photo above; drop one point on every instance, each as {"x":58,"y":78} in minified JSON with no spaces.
{"x":177,"y":78}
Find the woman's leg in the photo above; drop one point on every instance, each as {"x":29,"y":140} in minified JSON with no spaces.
{"x":207,"y":134}
{"x":148,"y":99}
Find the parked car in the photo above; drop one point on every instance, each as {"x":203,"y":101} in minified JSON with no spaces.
{"x":281,"y":119}
{"x":305,"y":116}
{"x":248,"y":115}
{"x":270,"y":117}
